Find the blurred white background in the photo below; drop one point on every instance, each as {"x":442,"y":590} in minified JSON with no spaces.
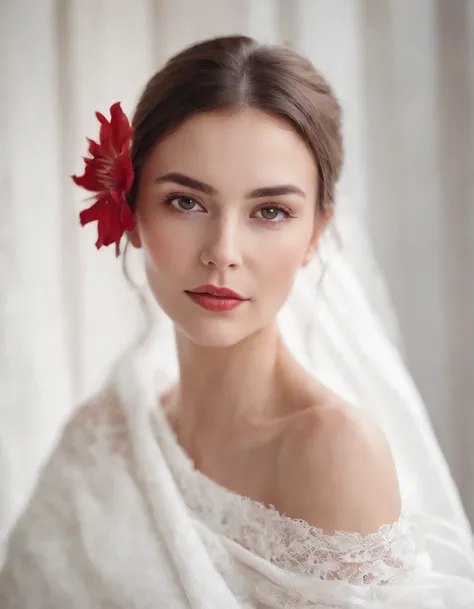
{"x":404,"y":72}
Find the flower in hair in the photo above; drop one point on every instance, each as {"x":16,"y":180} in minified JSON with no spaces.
{"x":109,"y":173}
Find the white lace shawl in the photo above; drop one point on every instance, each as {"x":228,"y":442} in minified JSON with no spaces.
{"x":293,"y":545}
{"x":121,"y":519}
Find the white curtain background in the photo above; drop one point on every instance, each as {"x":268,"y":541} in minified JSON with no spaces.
{"x":404,"y":72}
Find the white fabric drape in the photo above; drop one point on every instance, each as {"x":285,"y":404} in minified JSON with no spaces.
{"x":401,"y":70}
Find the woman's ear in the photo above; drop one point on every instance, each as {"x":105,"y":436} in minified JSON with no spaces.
{"x":322,"y":221}
{"x":134,"y":237}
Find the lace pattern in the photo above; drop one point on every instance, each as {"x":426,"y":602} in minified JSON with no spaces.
{"x":106,"y":528}
{"x":388,"y":555}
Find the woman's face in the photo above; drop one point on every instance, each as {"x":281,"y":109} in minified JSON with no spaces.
{"x":227,"y":200}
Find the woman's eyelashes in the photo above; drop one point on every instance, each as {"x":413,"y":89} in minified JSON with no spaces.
{"x":271,"y":213}
{"x":274,"y":214}
{"x":183,"y":203}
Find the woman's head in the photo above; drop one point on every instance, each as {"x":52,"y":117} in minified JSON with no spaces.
{"x":236,"y":152}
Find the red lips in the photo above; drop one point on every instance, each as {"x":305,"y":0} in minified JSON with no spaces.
{"x":214,"y":298}
{"x":214,"y":290}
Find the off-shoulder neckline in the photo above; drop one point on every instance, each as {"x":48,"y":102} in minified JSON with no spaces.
{"x":185,"y":471}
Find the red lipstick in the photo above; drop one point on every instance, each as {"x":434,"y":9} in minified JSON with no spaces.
{"x":214,"y":298}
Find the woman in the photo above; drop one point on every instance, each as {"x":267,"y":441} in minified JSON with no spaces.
{"x":246,"y":482}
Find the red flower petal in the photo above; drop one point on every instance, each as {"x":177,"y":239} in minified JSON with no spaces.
{"x":93,"y":213}
{"x":109,"y":173}
{"x":127,"y":218}
{"x":107,"y":213}
{"x":126,"y":215}
{"x":105,"y":136}
{"x":128,"y":168}
{"x":123,"y":171}
{"x":121,"y":130}
{"x":89,"y":180}
{"x":110,"y":227}
{"x":94,"y":148}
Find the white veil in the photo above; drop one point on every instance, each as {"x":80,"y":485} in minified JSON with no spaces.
{"x":339,"y":323}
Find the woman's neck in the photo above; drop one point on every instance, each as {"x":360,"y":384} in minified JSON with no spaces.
{"x":229,"y":387}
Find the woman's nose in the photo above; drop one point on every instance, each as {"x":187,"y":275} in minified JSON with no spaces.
{"x":222,"y":249}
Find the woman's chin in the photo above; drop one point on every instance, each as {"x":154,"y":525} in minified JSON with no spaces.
{"x":218,"y":333}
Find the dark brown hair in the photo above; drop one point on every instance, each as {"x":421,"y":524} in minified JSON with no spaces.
{"x":237,"y":72}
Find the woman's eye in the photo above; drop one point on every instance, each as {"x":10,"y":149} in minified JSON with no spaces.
{"x":272,"y":214}
{"x":183,"y":203}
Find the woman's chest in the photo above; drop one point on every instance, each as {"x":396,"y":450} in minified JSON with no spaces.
{"x":248,"y":467}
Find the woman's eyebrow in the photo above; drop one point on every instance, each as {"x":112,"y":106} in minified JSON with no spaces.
{"x":257,"y":193}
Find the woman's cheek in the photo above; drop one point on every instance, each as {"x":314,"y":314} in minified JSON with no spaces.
{"x":287,"y":256}
{"x":167,"y":242}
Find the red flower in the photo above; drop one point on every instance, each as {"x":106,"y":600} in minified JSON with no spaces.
{"x":109,"y":173}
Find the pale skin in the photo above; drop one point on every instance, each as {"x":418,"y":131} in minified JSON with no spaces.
{"x":245,"y":411}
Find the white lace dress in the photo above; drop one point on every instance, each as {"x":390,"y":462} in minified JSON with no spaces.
{"x":293,"y":545}
{"x":122,"y":519}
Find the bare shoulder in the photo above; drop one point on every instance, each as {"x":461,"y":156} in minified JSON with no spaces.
{"x":336,"y":471}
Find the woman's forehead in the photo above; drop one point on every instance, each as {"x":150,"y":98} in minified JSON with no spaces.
{"x":246,"y":144}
